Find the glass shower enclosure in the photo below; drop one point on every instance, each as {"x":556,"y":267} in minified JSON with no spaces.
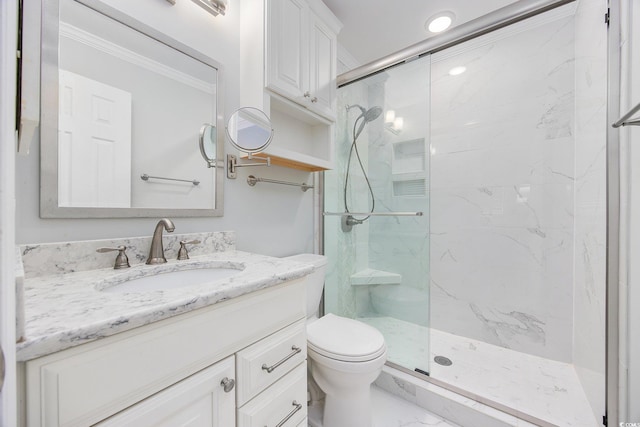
{"x":456,"y":220}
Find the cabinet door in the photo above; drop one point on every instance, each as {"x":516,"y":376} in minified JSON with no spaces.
{"x":322,"y":72}
{"x":287,"y":48}
{"x":198,"y":401}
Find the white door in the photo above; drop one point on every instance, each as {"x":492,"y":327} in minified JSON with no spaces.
{"x":202,"y":400}
{"x":8,"y":39}
{"x":94,"y":144}
{"x":287,"y":52}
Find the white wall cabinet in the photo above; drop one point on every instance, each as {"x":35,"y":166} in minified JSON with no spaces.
{"x":171,"y":372}
{"x":302,"y":54}
{"x":288,"y":69}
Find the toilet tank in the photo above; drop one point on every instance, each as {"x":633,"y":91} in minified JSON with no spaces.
{"x":315,"y":280}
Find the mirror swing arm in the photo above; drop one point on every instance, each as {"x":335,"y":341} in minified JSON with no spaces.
{"x":232,"y":164}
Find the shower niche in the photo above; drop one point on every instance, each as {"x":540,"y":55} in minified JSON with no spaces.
{"x":409,"y":168}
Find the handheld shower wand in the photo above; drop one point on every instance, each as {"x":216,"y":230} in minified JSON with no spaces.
{"x":365,"y":117}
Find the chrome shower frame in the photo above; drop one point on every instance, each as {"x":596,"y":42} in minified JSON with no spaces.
{"x":493,"y":21}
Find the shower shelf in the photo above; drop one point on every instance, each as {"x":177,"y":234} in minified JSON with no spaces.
{"x":369,"y":276}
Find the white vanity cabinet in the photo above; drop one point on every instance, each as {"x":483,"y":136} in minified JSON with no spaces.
{"x":302,"y":52}
{"x":288,"y":69}
{"x":204,"y":399}
{"x":175,"y":371}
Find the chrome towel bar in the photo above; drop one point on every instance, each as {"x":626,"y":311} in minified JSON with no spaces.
{"x":146,"y":177}
{"x":373,"y":213}
{"x":252,"y":180}
{"x":624,"y":120}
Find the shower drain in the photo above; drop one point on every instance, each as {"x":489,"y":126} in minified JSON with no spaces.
{"x":444,"y":361}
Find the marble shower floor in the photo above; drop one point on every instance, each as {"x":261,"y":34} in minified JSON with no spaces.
{"x":545,"y":389}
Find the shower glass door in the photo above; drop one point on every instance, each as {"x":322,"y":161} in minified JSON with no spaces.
{"x":497,"y":290}
{"x":379,"y":266}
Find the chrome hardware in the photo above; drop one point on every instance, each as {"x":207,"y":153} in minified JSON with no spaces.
{"x":182,"y":252}
{"x":232,"y":164}
{"x":2,"y":368}
{"x":122,"y":261}
{"x":348,"y":221}
{"x":373,"y":213}
{"x":307,"y":94}
{"x":227,"y":384}
{"x":252,"y":181}
{"x":624,"y":120}
{"x":270,"y":369}
{"x":146,"y":177}
{"x":156,"y":252}
{"x":298,"y":406}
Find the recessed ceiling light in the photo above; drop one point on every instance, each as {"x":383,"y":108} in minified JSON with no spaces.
{"x":456,"y":71}
{"x":439,"y":22}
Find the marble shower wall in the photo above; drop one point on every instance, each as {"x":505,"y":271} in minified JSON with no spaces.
{"x":502,"y":187}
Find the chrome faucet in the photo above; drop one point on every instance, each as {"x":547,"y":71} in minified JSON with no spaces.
{"x":156,"y":253}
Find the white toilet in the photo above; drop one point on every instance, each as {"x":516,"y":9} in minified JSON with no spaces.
{"x":346,"y":356}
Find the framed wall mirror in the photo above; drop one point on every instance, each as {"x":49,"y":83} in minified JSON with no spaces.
{"x":122,"y":108}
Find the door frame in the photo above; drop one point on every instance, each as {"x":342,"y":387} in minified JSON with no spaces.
{"x":8,"y":85}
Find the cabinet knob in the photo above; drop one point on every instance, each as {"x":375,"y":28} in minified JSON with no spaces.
{"x":314,"y":99}
{"x":307,"y":94}
{"x":227,"y":384}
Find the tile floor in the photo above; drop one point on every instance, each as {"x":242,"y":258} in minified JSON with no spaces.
{"x":392,"y":411}
{"x":542,"y":388}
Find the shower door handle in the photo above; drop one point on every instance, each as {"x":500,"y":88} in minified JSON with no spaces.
{"x":373,"y":213}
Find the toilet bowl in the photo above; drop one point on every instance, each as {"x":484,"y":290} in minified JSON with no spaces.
{"x":346,"y":356}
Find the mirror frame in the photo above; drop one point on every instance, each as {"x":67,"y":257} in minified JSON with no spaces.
{"x":49,"y":207}
{"x":244,"y":149}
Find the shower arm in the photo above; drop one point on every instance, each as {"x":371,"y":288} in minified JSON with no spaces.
{"x":373,"y":213}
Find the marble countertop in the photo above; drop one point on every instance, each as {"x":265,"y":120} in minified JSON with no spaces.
{"x":67,"y":309}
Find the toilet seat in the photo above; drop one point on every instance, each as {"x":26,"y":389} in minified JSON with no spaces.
{"x":345,"y":339}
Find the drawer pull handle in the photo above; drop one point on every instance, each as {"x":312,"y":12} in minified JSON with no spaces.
{"x":227,"y":384}
{"x":298,"y":406}
{"x":269,"y":369}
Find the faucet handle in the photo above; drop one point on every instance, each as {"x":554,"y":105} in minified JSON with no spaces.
{"x":122,"y":261}
{"x":183,"y":253}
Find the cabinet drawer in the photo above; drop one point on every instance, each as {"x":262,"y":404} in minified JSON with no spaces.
{"x":284,"y":404}
{"x":268,"y":360}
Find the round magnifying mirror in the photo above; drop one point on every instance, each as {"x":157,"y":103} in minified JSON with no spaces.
{"x":249,"y":130}
{"x":208,"y":144}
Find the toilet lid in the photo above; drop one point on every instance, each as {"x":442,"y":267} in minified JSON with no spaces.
{"x":344,"y":339}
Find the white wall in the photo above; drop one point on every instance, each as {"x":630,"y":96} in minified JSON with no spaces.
{"x":268,"y":219}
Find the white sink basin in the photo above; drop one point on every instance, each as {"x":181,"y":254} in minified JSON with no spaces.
{"x":173,"y":280}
